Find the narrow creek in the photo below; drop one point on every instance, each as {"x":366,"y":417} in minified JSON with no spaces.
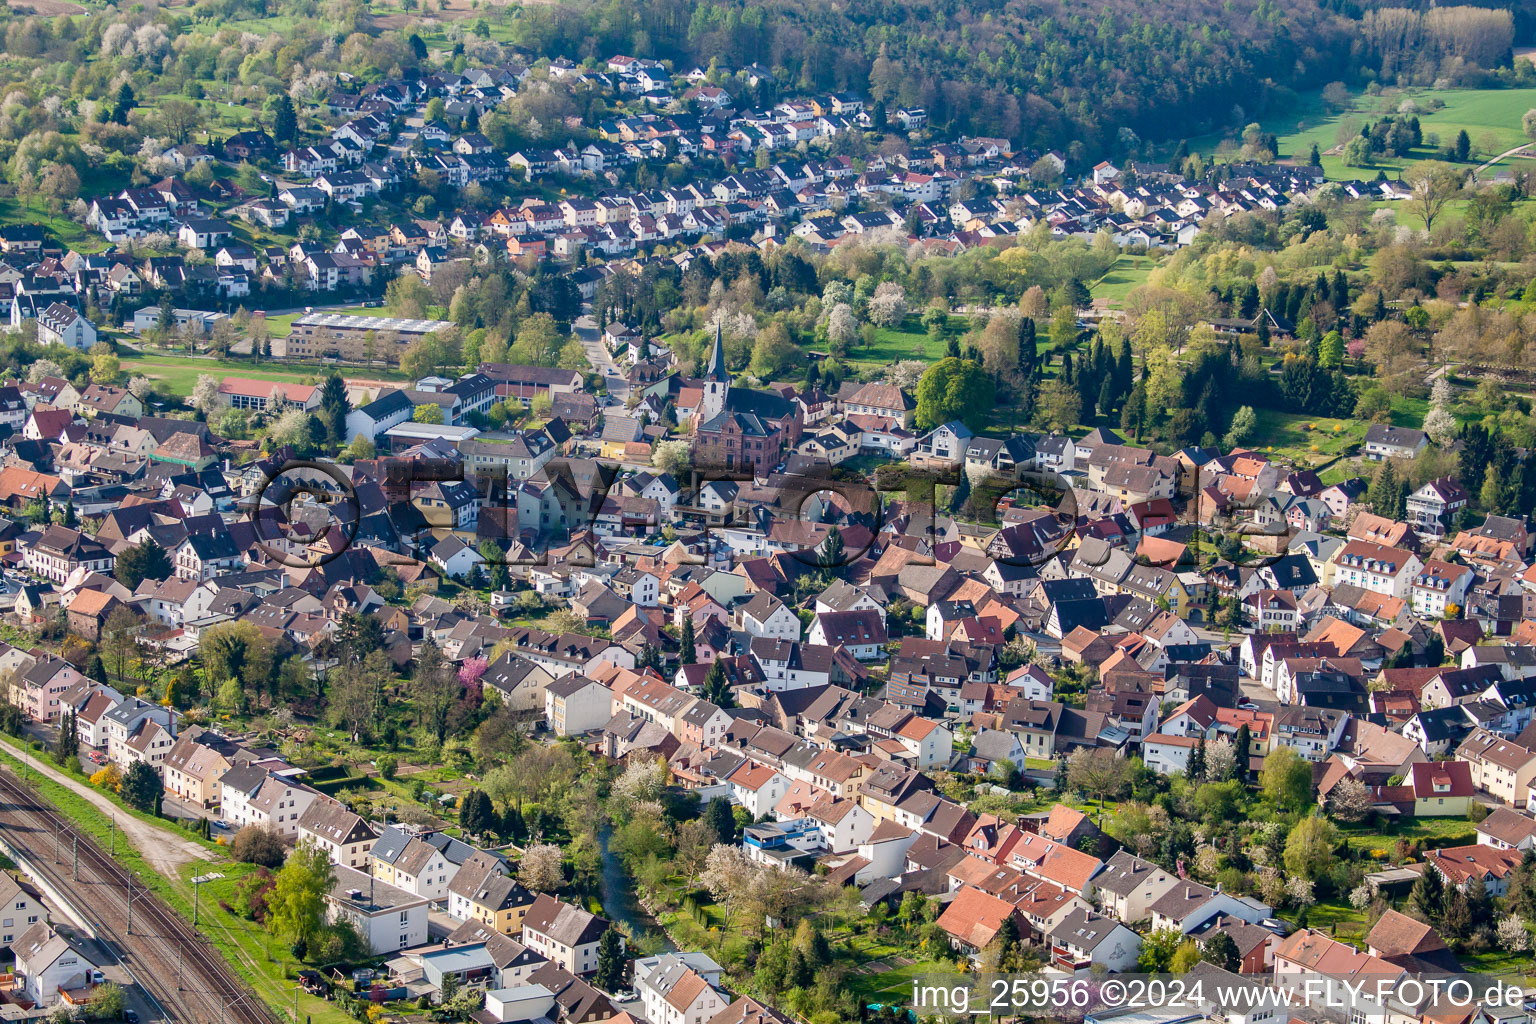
{"x":620,"y":901}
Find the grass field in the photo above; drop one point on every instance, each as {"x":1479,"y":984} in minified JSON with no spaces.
{"x":178,"y":374}
{"x":75,"y":236}
{"x":1128,"y":272}
{"x":1428,"y":832}
{"x":1308,"y":440}
{"x":1491,"y":117}
{"x":909,"y":341}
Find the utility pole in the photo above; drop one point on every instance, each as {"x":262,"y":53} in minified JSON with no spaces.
{"x":130,"y":905}
{"x":75,"y":871}
{"x":58,"y":830}
{"x":197,"y":890}
{"x":178,"y":966}
{"x":112,"y":834}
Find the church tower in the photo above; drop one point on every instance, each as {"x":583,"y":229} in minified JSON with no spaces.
{"x":717,"y":381}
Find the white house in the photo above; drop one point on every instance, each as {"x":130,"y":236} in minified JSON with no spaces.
{"x":21,"y":907}
{"x":254,"y":796}
{"x":1084,"y":940}
{"x":63,"y":324}
{"x":675,"y":993}
{"x":565,"y":934}
{"x":345,"y":837}
{"x":766,"y":615}
{"x":388,"y":918}
{"x":47,"y":965}
{"x":575,"y":704}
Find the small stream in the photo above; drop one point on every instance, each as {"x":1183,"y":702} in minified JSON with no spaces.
{"x":619,"y":900}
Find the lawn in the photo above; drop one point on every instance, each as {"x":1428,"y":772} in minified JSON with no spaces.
{"x":909,"y":341}
{"x":180,"y":373}
{"x":1308,"y":440}
{"x":1126,"y":273}
{"x":68,"y":233}
{"x":892,"y":986}
{"x":244,"y":944}
{"x":1491,"y":117}
{"x":1338,"y":919}
{"x":1427,"y":832}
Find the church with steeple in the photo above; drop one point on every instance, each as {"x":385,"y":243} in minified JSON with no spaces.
{"x":740,"y":428}
{"x":716,"y":381}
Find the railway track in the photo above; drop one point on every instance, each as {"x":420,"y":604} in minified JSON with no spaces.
{"x":169,"y":959}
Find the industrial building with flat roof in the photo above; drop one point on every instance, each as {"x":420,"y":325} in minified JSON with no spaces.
{"x":353,"y":338}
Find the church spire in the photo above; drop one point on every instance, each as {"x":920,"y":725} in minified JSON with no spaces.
{"x":716,"y":368}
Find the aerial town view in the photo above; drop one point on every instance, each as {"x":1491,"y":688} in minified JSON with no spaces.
{"x":709,"y":512}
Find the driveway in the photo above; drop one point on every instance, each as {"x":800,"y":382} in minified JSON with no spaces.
{"x":162,"y":847}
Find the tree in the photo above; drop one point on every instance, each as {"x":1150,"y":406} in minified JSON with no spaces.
{"x":180,"y":118}
{"x":1157,"y":950}
{"x":1432,"y":185}
{"x":1440,"y":422}
{"x":141,"y":787}
{"x":285,"y":120}
{"x":119,"y":640}
{"x":1220,"y":760}
{"x":842,"y":325}
{"x":1097,"y":771}
{"x":832,"y":552}
{"x":1385,"y":492}
{"x":108,"y":778}
{"x":889,"y":304}
{"x":717,"y":813}
{"x":1221,"y":951}
{"x":693,"y":840}
{"x":1058,"y":406}
{"x":540,"y":870}
{"x":476,"y":815}
{"x":611,"y":962}
{"x":1244,"y":421}
{"x":687,"y":649}
{"x":716,"y":687}
{"x":1528,"y":124}
{"x":1514,"y":935}
{"x":67,"y":745}
{"x":954,"y":389}
{"x":334,"y":407}
{"x":1349,"y":800}
{"x":1309,"y":847}
{"x":1330,"y":350}
{"x":1241,"y":746}
{"x":774,"y":351}
{"x":256,"y":845}
{"x":1463,"y":145}
{"x":238,"y":650}
{"x":1286,"y":779}
{"x":107,"y":1002}
{"x":146,"y":561}
{"x":296,"y":903}
{"x":1427,"y":897}
{"x":105,"y":366}
{"x":434,"y":689}
{"x":672,"y":457}
{"x":427,"y":412}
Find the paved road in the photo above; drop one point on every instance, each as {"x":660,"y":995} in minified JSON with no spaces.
{"x":1508,"y":152}
{"x":591,"y":337}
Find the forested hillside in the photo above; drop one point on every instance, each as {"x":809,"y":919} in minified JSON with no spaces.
{"x":1103,"y":76}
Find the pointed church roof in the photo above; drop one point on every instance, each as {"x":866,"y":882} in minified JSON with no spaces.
{"x":716,"y":370}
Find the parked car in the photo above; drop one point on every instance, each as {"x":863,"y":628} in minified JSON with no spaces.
{"x":97,"y":757}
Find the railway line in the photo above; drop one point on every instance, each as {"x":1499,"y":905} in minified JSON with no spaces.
{"x":170,"y":960}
